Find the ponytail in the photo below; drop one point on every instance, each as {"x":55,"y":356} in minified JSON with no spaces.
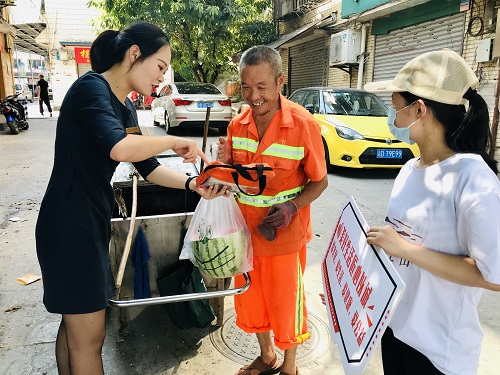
{"x":474,"y":134}
{"x":465,"y":131}
{"x":110,"y":46}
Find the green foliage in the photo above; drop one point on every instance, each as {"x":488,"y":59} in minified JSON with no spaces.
{"x":205,"y":34}
{"x":255,"y":33}
{"x":183,"y":74}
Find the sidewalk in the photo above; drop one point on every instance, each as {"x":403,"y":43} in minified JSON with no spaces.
{"x":34,"y":110}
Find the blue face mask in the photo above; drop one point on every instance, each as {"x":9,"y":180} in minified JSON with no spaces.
{"x":401,"y":134}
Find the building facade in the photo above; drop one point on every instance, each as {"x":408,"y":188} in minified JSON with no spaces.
{"x":67,"y":38}
{"x":347,"y":43}
{"x":7,"y":33}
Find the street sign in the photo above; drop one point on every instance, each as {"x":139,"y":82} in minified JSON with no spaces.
{"x":361,"y":287}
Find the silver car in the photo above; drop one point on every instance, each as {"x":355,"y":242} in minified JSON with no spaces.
{"x":24,"y":92}
{"x":186,"y":103}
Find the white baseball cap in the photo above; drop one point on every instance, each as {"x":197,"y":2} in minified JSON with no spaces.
{"x":442,"y":76}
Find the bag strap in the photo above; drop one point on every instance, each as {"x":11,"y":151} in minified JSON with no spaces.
{"x":240,"y":170}
{"x":243,"y":172}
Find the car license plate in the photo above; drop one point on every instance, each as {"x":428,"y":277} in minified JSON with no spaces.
{"x":205,"y":104}
{"x":389,"y":154}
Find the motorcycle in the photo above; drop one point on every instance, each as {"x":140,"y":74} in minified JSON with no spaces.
{"x":14,"y":114}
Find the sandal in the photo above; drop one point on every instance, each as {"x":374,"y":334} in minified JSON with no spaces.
{"x":296,"y":372}
{"x":259,"y":367}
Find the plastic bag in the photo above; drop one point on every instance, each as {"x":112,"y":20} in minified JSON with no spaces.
{"x":218,"y":240}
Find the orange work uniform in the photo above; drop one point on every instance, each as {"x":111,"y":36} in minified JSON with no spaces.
{"x":293,"y":147}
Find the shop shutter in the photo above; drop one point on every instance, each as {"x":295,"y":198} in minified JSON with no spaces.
{"x":394,"y":50}
{"x":308,"y":64}
{"x":82,"y":69}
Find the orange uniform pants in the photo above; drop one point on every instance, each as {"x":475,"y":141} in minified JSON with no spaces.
{"x":275,"y":300}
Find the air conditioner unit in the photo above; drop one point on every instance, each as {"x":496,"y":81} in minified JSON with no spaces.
{"x":345,"y":47}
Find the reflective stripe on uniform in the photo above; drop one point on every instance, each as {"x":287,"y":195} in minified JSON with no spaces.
{"x":276,"y":149}
{"x":299,"y":304}
{"x":284,"y":151}
{"x":268,"y":201}
{"x":246,"y":144}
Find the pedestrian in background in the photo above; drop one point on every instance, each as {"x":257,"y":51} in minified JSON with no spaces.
{"x":442,"y":229}
{"x":284,"y":135}
{"x":43,"y":94}
{"x":97,"y":128}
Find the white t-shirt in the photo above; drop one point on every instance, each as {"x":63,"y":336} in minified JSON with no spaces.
{"x":452,"y":207}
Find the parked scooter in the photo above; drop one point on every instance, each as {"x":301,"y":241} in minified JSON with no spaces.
{"x":14,"y":114}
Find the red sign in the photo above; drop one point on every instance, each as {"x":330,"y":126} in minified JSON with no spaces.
{"x":82,"y":55}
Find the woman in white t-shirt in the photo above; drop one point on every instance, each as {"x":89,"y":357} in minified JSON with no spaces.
{"x":442,"y":229}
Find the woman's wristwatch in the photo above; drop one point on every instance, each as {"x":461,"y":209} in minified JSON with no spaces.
{"x":186,"y":185}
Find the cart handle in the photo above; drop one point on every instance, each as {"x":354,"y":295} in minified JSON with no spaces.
{"x":182,"y":297}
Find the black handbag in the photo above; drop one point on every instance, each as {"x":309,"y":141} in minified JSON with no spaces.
{"x":185,"y":278}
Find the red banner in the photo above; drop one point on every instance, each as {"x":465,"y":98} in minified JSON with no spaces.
{"x":82,"y":55}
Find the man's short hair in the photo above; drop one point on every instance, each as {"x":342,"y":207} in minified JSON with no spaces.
{"x":40,"y":76}
{"x":262,"y":54}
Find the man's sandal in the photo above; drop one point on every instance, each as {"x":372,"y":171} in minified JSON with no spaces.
{"x":284,"y":373}
{"x":259,"y":367}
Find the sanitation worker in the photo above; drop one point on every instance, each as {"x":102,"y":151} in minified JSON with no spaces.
{"x":283,"y":134}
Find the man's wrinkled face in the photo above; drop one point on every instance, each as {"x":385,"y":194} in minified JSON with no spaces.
{"x":260,"y":88}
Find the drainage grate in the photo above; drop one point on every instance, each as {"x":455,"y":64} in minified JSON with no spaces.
{"x":243,"y":348}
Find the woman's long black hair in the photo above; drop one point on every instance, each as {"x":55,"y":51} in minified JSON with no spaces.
{"x":110,"y":46}
{"x":467,"y":131}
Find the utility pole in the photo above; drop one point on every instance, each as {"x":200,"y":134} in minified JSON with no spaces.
{"x":18,"y":67}
{"x":31,"y":68}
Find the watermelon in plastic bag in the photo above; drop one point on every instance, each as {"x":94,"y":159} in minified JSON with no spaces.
{"x":218,"y":240}
{"x":221,"y":256}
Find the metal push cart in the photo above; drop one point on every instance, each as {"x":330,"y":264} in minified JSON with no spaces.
{"x":162,"y":213}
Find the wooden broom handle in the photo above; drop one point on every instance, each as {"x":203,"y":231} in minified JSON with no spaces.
{"x":205,"y":135}
{"x":128,"y":242}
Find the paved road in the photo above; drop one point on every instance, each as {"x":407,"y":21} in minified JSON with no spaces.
{"x":152,"y":344}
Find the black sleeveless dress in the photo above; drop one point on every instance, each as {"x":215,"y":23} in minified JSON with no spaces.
{"x":73,"y":229}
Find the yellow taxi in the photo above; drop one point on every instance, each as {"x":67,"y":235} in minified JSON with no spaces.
{"x":354,"y":128}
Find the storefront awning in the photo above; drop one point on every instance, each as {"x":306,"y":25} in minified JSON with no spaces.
{"x":25,"y":35}
{"x":75,"y":44}
{"x":285,"y":38}
{"x":386,"y":9}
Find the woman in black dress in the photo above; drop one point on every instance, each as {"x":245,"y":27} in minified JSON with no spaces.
{"x":98,"y":128}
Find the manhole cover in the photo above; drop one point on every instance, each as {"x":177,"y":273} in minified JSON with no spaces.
{"x":243,"y":348}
